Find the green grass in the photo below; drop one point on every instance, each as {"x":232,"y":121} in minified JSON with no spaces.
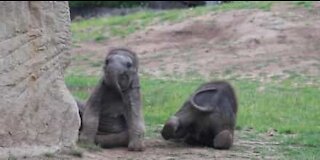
{"x":49,"y":155}
{"x":12,"y":157}
{"x":81,"y":85}
{"x":99,"y":29}
{"x":88,"y":146}
{"x":299,"y":153}
{"x":274,"y":105}
{"x":280,"y":106}
{"x":306,"y":4}
{"x":287,"y":109}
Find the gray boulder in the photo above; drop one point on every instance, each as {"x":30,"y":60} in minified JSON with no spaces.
{"x":37,"y":112}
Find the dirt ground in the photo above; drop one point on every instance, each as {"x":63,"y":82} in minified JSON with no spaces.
{"x":247,"y":145}
{"x":245,"y":43}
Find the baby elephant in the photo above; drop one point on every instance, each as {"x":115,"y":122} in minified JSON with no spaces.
{"x":207,"y":118}
{"x":112,"y":116}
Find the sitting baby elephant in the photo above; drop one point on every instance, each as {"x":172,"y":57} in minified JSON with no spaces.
{"x":112,"y":116}
{"x":207,"y":118}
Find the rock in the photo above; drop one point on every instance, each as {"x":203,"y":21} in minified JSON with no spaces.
{"x":38,"y":113}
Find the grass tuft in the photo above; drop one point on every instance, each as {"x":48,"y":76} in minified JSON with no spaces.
{"x":90,"y":147}
{"x":49,"y":154}
{"x":76,"y":153}
{"x":305,"y":4}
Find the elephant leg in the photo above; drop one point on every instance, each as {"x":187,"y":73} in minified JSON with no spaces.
{"x":173,"y":129}
{"x":113,"y":139}
{"x":135,"y":121}
{"x":90,"y":122}
{"x":223,"y":140}
{"x":91,"y":115}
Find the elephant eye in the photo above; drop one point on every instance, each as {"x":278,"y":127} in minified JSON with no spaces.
{"x":129,"y":64}
{"x":107,"y":61}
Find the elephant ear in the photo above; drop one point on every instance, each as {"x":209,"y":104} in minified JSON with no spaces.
{"x":205,"y":100}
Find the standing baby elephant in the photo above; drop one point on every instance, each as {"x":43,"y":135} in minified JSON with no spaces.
{"x":207,"y":118}
{"x":112,"y":116}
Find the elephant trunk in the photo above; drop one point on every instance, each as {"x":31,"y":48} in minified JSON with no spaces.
{"x":112,"y":79}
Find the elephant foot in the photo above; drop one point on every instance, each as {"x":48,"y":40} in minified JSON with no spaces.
{"x":223,"y":140}
{"x":136,"y":145}
{"x":85,"y":139}
{"x":112,"y":140}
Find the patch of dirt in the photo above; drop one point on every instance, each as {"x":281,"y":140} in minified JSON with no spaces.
{"x":158,"y":149}
{"x":246,"y":43}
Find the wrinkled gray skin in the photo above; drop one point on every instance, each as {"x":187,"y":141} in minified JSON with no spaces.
{"x":112,"y":116}
{"x":207,"y":118}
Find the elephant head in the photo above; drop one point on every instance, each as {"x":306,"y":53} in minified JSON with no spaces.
{"x":120,"y":69}
{"x":200,"y":103}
